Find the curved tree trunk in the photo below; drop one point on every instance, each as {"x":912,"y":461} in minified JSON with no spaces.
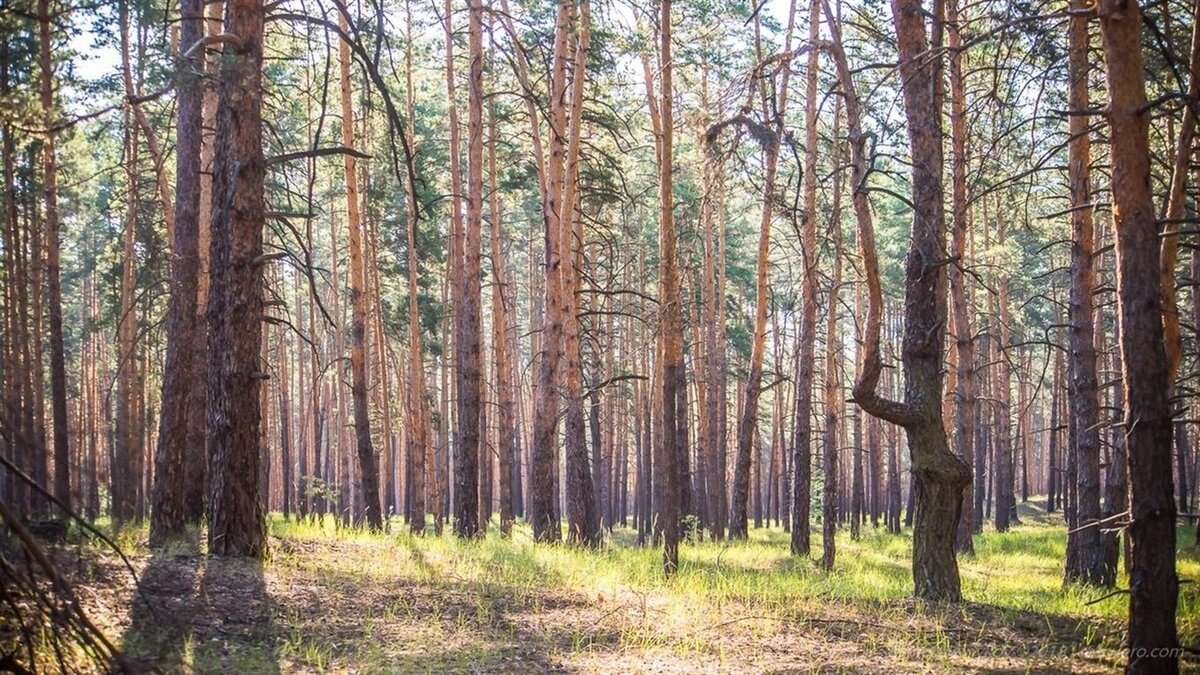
{"x":939,"y":476}
{"x":748,"y":410}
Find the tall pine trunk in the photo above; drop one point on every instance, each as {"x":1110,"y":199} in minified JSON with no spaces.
{"x":1153,"y":584}
{"x":583,"y":522}
{"x":543,"y":512}
{"x":748,"y":410}
{"x":367,"y":461}
{"x":965,"y":404}
{"x":168,"y":514}
{"x":1084,"y":556}
{"x":670,"y":311}
{"x":235,"y":509}
{"x":58,"y":367}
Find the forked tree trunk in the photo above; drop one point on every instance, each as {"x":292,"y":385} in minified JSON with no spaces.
{"x":939,"y":476}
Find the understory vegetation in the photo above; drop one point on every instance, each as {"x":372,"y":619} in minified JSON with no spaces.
{"x":335,"y":599}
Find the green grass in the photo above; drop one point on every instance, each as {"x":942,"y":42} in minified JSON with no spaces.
{"x":384,"y":600}
{"x":1018,"y":570}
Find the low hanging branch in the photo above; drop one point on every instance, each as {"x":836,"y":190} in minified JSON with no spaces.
{"x":229,"y":39}
{"x":44,"y":625}
{"x":762,"y":134}
{"x":316,"y":152}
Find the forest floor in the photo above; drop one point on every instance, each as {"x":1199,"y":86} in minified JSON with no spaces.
{"x":344,"y":601}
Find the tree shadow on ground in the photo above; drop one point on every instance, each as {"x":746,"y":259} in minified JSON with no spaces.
{"x":205,"y":615}
{"x":340,"y":619}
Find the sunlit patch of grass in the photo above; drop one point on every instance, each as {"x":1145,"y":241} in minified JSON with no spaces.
{"x":492,"y":598}
{"x":1018,"y":571}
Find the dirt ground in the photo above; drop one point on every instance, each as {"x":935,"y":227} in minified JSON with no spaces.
{"x":194,"y":614}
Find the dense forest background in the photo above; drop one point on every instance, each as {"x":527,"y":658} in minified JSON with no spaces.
{"x":683,"y":269}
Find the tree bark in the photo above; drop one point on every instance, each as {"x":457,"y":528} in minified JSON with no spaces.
{"x":58,"y":367}
{"x":236,"y":525}
{"x":367,"y":461}
{"x":964,"y":340}
{"x":670,"y":310}
{"x":939,"y":476}
{"x":1153,"y":584}
{"x":1084,"y":558}
{"x":168,"y":516}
